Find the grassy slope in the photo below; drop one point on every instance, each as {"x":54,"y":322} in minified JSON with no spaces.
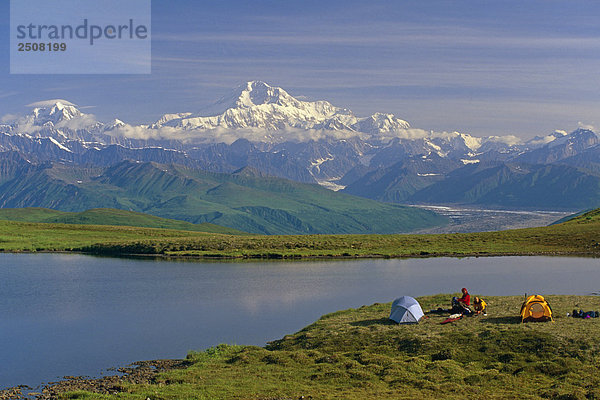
{"x":27,"y":236}
{"x":578,"y":236}
{"x":358,"y":354}
{"x":262,"y":205}
{"x":107,"y":216}
{"x":570,"y":217}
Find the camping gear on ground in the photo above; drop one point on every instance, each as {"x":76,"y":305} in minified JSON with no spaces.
{"x":459,"y":307}
{"x":536,"y":309}
{"x":452,"y":318}
{"x":585,"y":314}
{"x":438,"y":310}
{"x":406,"y":310}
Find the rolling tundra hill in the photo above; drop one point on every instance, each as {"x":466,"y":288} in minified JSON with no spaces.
{"x":246,"y":200}
{"x":108,"y":216}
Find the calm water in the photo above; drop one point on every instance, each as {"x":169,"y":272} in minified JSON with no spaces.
{"x":79,"y":315}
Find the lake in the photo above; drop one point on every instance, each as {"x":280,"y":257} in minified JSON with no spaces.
{"x":79,"y":315}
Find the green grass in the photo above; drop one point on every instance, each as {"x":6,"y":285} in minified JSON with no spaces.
{"x":579,"y":236}
{"x":360,"y":354}
{"x":108,"y":216}
{"x":28,"y":237}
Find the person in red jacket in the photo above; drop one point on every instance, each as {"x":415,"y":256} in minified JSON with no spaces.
{"x":461,"y":305}
{"x":466,"y":297}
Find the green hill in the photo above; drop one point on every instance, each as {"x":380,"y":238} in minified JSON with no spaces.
{"x":570,"y":217}
{"x":245,"y":200}
{"x":108,"y":216}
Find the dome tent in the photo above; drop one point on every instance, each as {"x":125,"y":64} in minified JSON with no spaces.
{"x":536,"y":309}
{"x":406,"y":310}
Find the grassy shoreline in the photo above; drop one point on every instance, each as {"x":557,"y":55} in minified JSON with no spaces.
{"x":358,"y":353}
{"x":580,"y":236}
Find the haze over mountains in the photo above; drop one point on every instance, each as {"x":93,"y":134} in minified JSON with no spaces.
{"x":378,"y":156}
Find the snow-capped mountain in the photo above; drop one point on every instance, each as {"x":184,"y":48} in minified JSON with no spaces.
{"x":53,"y":112}
{"x":563,"y":146}
{"x":256,"y":105}
{"x":265,"y":127}
{"x":58,"y":119}
{"x":262,"y":113}
{"x":543,"y":140}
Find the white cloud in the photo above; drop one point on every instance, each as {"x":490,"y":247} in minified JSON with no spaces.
{"x":586,"y":126}
{"x":7,"y":94}
{"x":510,"y":140}
{"x":81,"y":122}
{"x":223,"y":135}
{"x":9,"y":118}
{"x":50,"y":103}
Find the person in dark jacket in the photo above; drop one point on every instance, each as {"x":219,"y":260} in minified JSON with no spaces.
{"x":461,"y":305}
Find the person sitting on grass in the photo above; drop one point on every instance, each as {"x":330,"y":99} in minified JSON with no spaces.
{"x":461,"y":305}
{"x":479,"y":305}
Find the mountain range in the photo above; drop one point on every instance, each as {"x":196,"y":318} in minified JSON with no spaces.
{"x":380,"y":156}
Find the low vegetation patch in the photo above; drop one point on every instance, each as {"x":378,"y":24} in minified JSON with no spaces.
{"x":580,"y":236}
{"x":359,"y":353}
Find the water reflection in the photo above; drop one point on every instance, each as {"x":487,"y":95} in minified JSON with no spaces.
{"x":74,"y":314}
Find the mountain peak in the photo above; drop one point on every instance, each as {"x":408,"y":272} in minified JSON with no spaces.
{"x":256,"y":93}
{"x":581,"y":137}
{"x":115,"y":124}
{"x":54,"y":111}
{"x":249,"y":171}
{"x":258,"y":85}
{"x":583,"y":131}
{"x":248,"y":95}
{"x":258,"y":105}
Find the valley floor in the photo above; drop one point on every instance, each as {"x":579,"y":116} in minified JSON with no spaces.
{"x":473,"y":219}
{"x":579,"y":236}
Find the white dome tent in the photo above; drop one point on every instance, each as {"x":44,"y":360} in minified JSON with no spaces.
{"x":406,"y":310}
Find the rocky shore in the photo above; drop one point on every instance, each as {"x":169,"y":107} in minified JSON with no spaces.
{"x":141,"y":372}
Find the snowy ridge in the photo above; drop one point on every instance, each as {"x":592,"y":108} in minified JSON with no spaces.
{"x":578,"y":135}
{"x":266,"y":127}
{"x":543,"y":140}
{"x":54,"y":111}
{"x":260,"y":106}
{"x":259,"y":112}
{"x":60,"y":146}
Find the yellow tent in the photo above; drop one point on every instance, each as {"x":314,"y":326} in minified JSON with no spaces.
{"x":536,"y":309}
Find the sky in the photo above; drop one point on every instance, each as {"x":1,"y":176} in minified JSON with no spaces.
{"x":521,"y":68}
